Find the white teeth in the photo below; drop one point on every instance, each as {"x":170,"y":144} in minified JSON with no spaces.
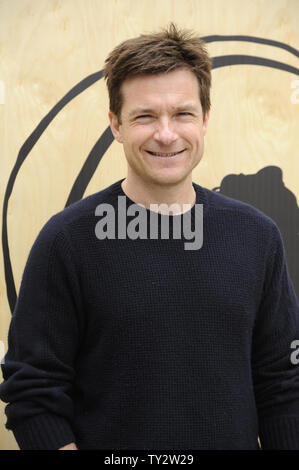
{"x":164,"y":154}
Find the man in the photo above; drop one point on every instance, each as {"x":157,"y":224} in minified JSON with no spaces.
{"x":143,"y":342}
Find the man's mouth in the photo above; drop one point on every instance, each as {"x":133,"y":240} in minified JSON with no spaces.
{"x":164,"y":154}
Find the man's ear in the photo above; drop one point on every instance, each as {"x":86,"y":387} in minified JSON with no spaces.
{"x":115,"y":127}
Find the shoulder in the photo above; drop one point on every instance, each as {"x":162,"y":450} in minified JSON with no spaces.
{"x":73,"y":217}
{"x":220,"y":204}
{"x":241,"y":218}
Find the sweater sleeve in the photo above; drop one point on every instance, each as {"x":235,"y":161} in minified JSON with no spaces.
{"x":43,"y":340}
{"x":275,"y":373}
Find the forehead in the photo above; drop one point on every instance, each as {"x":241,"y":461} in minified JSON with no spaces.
{"x":166,"y":89}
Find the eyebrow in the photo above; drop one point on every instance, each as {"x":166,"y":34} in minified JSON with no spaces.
{"x":136,"y":111}
{"x":176,"y":109}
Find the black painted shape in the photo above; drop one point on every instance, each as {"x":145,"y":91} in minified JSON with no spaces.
{"x":268,"y":42}
{"x":223,"y":61}
{"x":81,"y":180}
{"x":90,"y":166}
{"x":266,"y":191}
{"x":24,"y":151}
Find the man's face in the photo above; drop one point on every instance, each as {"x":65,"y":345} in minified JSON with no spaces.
{"x":162,"y":128}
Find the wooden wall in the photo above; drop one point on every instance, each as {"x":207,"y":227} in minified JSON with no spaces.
{"x":48,"y":46}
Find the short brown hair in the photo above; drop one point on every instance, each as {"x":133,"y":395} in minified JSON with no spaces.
{"x":156,"y":53}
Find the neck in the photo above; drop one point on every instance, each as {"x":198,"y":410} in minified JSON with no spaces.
{"x":149,"y":194}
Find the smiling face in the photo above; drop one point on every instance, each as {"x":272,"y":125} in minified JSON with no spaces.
{"x":162,"y":127}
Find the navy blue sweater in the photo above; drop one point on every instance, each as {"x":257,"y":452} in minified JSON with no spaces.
{"x":143,"y":344}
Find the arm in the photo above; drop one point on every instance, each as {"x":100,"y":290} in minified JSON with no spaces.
{"x":275,"y":377}
{"x":39,"y":367}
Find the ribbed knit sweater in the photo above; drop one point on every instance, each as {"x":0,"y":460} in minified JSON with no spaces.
{"x":142,"y":344}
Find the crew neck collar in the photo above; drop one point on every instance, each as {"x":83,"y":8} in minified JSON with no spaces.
{"x":200,"y":199}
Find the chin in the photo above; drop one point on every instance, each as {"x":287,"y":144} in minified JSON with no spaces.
{"x":169,"y":179}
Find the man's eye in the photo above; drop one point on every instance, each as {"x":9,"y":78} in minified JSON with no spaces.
{"x":143,"y":116}
{"x":185,"y":113}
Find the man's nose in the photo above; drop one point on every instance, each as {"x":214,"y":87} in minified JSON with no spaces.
{"x":165,"y":132}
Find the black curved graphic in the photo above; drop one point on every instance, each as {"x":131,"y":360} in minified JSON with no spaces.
{"x":223,"y":61}
{"x":23,"y":153}
{"x":106,"y":138}
{"x":90,"y":166}
{"x":268,"y":42}
{"x":266,"y":191}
